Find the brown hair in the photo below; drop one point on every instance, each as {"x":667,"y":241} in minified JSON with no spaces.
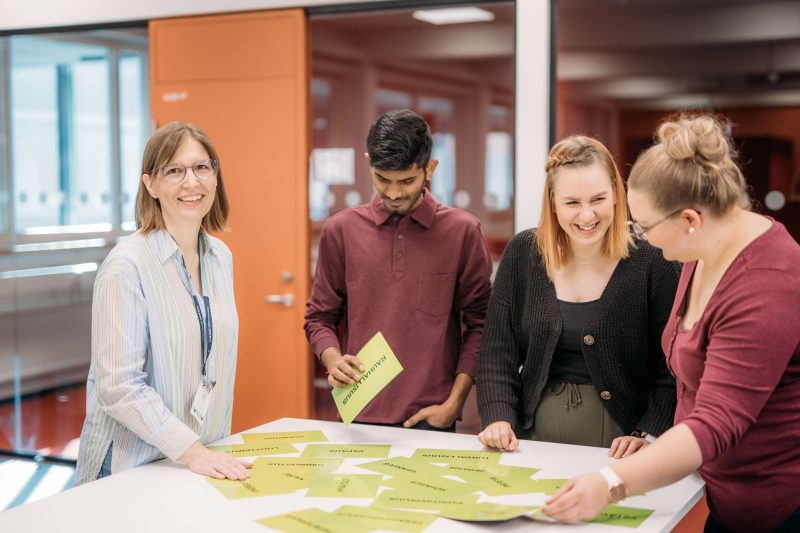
{"x":691,"y":164}
{"x":580,"y":151}
{"x":160,"y":148}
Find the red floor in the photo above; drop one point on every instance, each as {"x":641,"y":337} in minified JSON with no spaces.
{"x":51,"y":422}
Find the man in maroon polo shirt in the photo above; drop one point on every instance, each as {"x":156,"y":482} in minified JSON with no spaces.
{"x":411,"y":268}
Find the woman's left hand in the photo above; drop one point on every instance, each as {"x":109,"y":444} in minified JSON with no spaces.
{"x":625,"y":446}
{"x":580,"y":498}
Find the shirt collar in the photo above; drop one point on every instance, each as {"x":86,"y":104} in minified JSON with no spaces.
{"x":423,"y":214}
{"x":166,"y":246}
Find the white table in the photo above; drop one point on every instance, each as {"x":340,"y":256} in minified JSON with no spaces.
{"x":165,"y":496}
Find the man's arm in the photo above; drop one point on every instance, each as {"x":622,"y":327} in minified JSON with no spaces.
{"x":445,"y":414}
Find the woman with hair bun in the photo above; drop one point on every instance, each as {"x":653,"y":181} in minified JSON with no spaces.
{"x":732,"y":341}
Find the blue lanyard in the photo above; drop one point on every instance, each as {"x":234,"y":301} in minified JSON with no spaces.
{"x":206,"y":325}
{"x":206,"y":329}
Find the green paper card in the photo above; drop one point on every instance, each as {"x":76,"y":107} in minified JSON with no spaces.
{"x":389,"y":519}
{"x":285,"y":436}
{"x":404,"y":467}
{"x":498,"y":480}
{"x":253,"y":450}
{"x":397,"y":499}
{"x":429,"y":485}
{"x":487,"y":512}
{"x":382,"y":367}
{"x":617,"y":515}
{"x":363,"y":451}
{"x":298,"y":464}
{"x":345,"y":486}
{"x":262,"y":484}
{"x":432,"y":455}
{"x":548,"y":486}
{"x":313,"y":521}
{"x":477,"y":473}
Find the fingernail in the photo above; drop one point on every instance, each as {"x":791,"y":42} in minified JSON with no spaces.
{"x":358,"y":377}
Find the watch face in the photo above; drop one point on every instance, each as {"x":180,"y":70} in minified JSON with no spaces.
{"x":617,"y":492}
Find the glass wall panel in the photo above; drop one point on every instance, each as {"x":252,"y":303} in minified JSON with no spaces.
{"x":134,"y":127}
{"x":61,"y":133}
{"x":64,"y":101}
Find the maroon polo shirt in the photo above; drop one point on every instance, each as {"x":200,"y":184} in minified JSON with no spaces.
{"x":423,"y":280}
{"x":738,"y":382}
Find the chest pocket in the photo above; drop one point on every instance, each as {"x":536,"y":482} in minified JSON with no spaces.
{"x":435,"y":294}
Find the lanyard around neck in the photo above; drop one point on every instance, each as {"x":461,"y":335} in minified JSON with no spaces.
{"x":205,"y":322}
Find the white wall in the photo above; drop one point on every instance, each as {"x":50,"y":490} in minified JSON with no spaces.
{"x":532,"y":63}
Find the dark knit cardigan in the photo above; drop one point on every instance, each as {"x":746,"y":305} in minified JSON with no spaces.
{"x":624,"y":359}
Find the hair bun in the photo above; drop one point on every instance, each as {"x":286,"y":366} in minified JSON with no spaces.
{"x":700,"y":138}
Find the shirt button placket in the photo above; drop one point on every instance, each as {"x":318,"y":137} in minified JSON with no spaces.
{"x":399,"y":247}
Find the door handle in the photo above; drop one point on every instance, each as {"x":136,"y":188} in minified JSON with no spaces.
{"x":284,"y":299}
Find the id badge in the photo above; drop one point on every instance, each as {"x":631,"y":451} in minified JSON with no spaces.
{"x":200,"y":403}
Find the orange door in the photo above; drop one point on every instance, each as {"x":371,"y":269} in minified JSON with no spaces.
{"x":244,"y":79}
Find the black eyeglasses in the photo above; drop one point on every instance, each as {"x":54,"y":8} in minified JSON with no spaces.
{"x":641,"y":231}
{"x":203,"y":170}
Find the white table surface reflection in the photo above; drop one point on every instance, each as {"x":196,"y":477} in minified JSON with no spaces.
{"x":165,"y":496}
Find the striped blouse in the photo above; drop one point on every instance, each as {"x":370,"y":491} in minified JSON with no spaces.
{"x":146,"y":354}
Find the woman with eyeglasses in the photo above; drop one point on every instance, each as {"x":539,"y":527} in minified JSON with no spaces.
{"x":164,"y":322}
{"x":570,"y":351}
{"x":732,"y":341}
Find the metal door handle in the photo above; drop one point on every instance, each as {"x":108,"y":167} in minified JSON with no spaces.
{"x":285,"y":299}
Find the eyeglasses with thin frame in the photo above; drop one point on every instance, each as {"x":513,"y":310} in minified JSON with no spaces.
{"x":641,"y":231}
{"x":203,"y":170}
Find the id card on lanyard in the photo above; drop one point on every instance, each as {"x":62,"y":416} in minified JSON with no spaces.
{"x":203,"y":394}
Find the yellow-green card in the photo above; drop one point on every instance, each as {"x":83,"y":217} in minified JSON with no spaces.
{"x":402,"y":499}
{"x":285,"y":436}
{"x":365,"y":451}
{"x":404,"y":467}
{"x":298,"y":464}
{"x":262,"y":483}
{"x":313,"y":521}
{"x":382,"y":367}
{"x":429,"y":485}
{"x":386,"y":519}
{"x":617,"y":515}
{"x":253,"y":450}
{"x":548,"y":486}
{"x":345,"y":486}
{"x":433,"y":455}
{"x":487,"y":512}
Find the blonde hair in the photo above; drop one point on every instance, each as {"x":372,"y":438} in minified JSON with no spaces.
{"x":160,"y":148}
{"x":551,"y":240}
{"x":691,"y":164}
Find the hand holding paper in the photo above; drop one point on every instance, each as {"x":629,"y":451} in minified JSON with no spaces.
{"x":381,"y":368}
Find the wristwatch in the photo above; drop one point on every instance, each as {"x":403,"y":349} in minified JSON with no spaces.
{"x":617,"y":491}
{"x":639,"y":434}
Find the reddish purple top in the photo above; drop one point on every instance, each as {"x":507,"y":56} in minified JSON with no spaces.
{"x":423,"y":280}
{"x":738,"y":383}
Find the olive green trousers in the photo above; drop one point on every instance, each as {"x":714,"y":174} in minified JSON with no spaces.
{"x":569,"y":413}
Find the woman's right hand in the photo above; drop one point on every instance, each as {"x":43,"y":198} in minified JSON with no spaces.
{"x":499,"y":435}
{"x":201,"y":460}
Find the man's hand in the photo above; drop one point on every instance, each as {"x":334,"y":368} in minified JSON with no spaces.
{"x":499,"y":435}
{"x":201,"y":460}
{"x":343,"y":370}
{"x":438,"y":416}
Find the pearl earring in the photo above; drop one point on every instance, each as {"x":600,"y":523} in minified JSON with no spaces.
{"x":691,"y":230}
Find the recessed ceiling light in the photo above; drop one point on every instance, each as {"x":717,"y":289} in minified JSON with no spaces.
{"x":453,"y":15}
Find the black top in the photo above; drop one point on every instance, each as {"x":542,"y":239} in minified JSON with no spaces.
{"x":568,"y":365}
{"x":621,"y":342}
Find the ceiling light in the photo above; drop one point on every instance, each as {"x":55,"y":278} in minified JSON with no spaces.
{"x":453,"y":15}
